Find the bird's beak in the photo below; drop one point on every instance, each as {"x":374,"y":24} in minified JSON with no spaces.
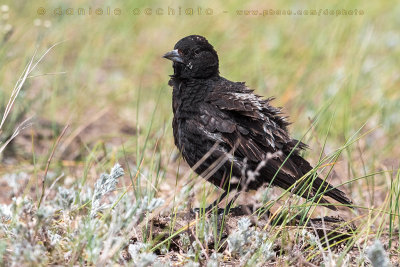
{"x":174,"y":56}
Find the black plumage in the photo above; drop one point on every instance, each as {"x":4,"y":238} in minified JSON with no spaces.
{"x":224,"y":130}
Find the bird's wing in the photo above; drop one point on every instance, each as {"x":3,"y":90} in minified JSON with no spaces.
{"x":247,"y":122}
{"x":241,"y":115}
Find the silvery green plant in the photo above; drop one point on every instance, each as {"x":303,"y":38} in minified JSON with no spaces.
{"x":205,"y":229}
{"x":192,"y":264}
{"x":45,"y":214}
{"x":144,"y":205}
{"x":140,"y":256}
{"x":14,"y":180}
{"x":238,"y":239}
{"x":26,"y":252}
{"x":105,"y":184}
{"x":26,"y":227}
{"x":65,"y":198}
{"x":152,"y":205}
{"x":91,"y":233}
{"x":145,"y":259}
{"x":247,"y":242}
{"x":377,"y":255}
{"x":5,"y":213}
{"x":121,"y":220}
{"x":5,"y":216}
{"x":266,"y":250}
{"x":214,"y":259}
{"x":185,"y":241}
{"x":125,"y":216}
{"x":194,"y":251}
{"x":309,"y":238}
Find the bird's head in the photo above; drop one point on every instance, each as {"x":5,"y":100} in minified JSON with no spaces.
{"x":194,"y":57}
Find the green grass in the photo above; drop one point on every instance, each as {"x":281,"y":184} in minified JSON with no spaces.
{"x":336,"y":77}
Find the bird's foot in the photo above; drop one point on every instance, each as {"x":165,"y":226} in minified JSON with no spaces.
{"x":208,"y":209}
{"x":234,"y":211}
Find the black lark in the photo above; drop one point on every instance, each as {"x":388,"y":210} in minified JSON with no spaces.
{"x":225,"y":132}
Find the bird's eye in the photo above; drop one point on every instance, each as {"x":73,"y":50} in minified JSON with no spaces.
{"x":197,"y":51}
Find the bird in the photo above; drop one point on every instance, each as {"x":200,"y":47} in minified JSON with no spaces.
{"x":233,"y":137}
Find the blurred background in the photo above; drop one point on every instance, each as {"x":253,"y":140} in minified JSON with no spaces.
{"x":333,"y":63}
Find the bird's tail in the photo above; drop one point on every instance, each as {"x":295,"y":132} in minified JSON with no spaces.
{"x":319,"y":189}
{"x":319,"y":186}
{"x":309,"y":187}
